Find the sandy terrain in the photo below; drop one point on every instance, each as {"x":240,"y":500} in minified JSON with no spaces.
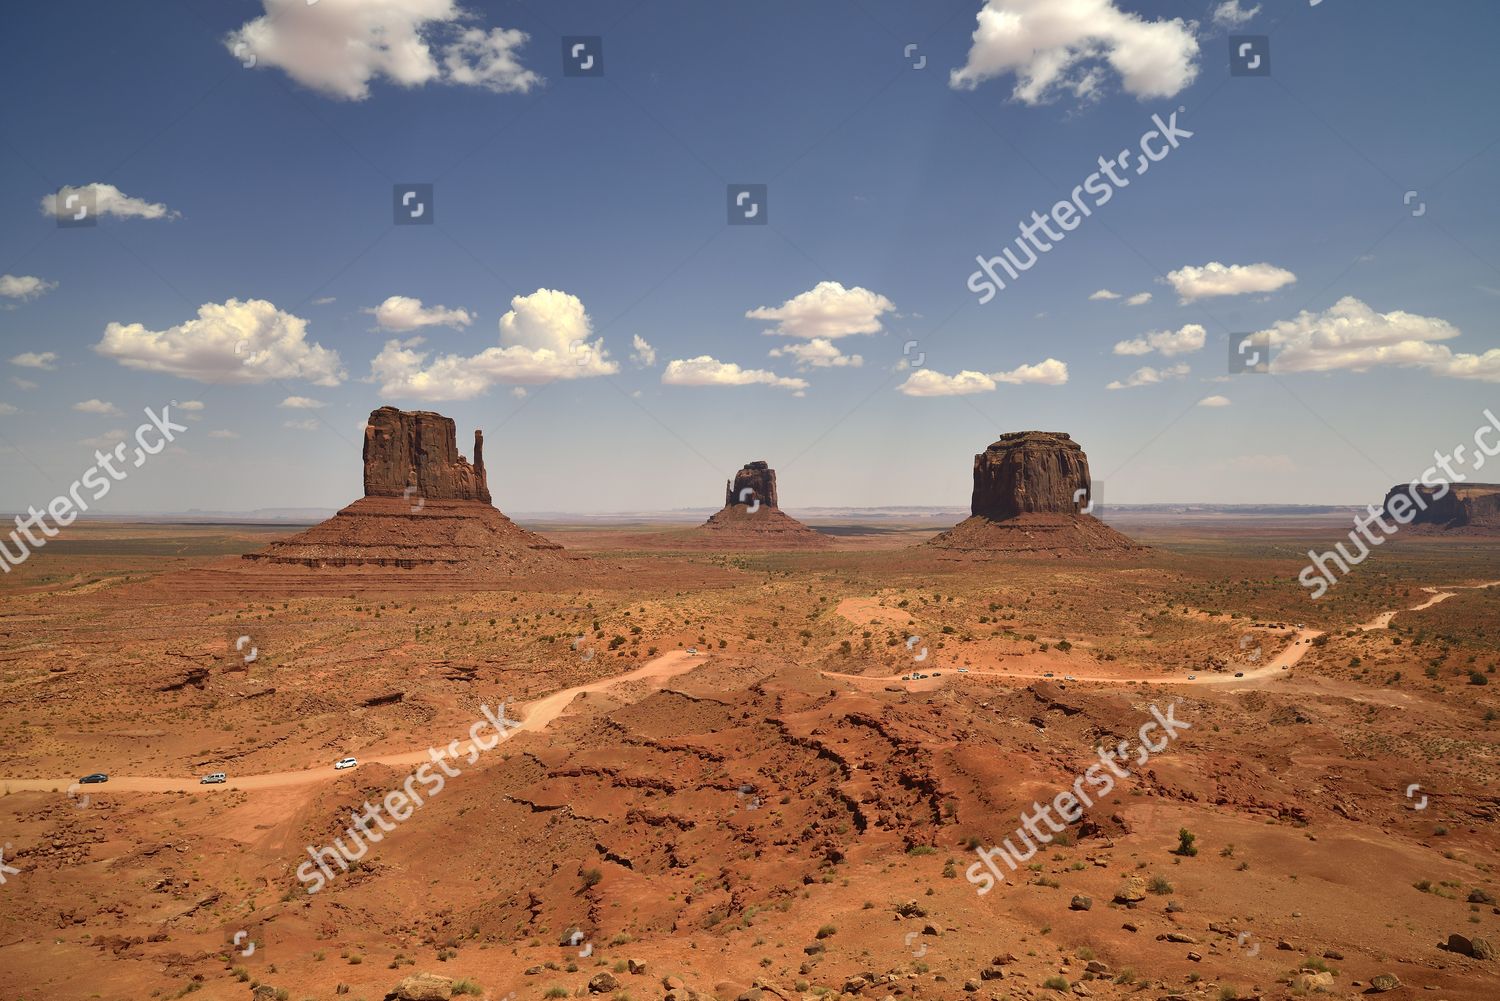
{"x":779,"y":809}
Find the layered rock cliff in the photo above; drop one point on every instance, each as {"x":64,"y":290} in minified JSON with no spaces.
{"x":1474,"y":507}
{"x":413,"y":454}
{"x":1030,"y":472}
{"x":757,"y":477}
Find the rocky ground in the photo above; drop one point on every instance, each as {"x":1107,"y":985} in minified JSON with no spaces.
{"x":777,"y":815}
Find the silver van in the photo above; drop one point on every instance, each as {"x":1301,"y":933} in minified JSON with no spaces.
{"x":213,"y":779}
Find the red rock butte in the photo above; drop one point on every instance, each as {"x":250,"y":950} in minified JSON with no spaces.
{"x":1030,"y":491}
{"x":752,"y":517}
{"x":425,"y":506}
{"x":1467,"y":509}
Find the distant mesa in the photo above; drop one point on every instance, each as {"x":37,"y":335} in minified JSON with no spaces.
{"x":752,"y":517}
{"x":1030,"y":491}
{"x":425,"y":506}
{"x":1469,"y":509}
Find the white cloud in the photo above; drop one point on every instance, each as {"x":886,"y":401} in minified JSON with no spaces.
{"x":1139,"y":299}
{"x":324,"y":300}
{"x":1214,"y":401}
{"x":1180,"y":342}
{"x":1213,"y":279}
{"x":302,"y":403}
{"x":1103,"y":294}
{"x":926,"y":382}
{"x":644,"y":355}
{"x":101,"y":407}
{"x":544,"y":337}
{"x":338,"y":46}
{"x":110,"y":200}
{"x":6,"y":410}
{"x":819,"y":352}
{"x":1048,"y":373}
{"x":1230,"y":14}
{"x":234,"y":342}
{"x":706,"y":371}
{"x":1059,"y":47}
{"x":46,"y":360}
{"x":1148,"y":376}
{"x":1351,"y":335}
{"x":826,"y":310}
{"x":21,"y":383}
{"x":223,"y":434}
{"x":105,"y":440}
{"x":402,"y":313}
{"x":519,"y":392}
{"x":190,"y":405}
{"x":489,"y":60}
{"x":306,"y":424}
{"x":24,"y":287}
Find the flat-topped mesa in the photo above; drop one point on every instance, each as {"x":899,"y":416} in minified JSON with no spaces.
{"x":1030,"y":472}
{"x":1470,"y":507}
{"x":415,"y":454}
{"x":758,"y":478}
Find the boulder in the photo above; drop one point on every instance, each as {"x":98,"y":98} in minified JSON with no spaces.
{"x":1382,"y":982}
{"x":603,"y":983}
{"x":1476,"y":948}
{"x":1312,"y":982}
{"x":1080,"y":903}
{"x":1132,"y":892}
{"x":422,"y":987}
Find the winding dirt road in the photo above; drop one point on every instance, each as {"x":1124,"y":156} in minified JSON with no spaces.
{"x":537,"y":715}
{"x":534,"y":717}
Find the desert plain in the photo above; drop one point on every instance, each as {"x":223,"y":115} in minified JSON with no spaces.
{"x":725,"y":783}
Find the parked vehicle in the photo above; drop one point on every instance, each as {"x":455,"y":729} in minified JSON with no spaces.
{"x":93,"y":779}
{"x":213,"y":779}
{"x":343,"y":763}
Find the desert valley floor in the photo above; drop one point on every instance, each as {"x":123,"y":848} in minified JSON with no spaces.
{"x":724,"y":786}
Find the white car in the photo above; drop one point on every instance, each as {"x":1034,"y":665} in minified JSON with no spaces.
{"x":213,"y":779}
{"x":343,"y":763}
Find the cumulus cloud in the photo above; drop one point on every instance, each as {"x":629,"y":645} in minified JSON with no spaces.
{"x":926,"y":382}
{"x":302,"y":403}
{"x":827,"y":310}
{"x":21,"y":383}
{"x":1214,"y":401}
{"x":24,"y":287}
{"x":105,"y":440}
{"x":819,"y":352}
{"x":1103,"y":294}
{"x":1215,"y":279}
{"x":6,"y":410}
{"x":644,"y":355}
{"x":1139,"y":299}
{"x":102,"y":407}
{"x":233,"y":342}
{"x":1148,"y":376}
{"x":708,"y":371}
{"x":1352,"y":335}
{"x":189,"y":405}
{"x":544,"y":337}
{"x":45,"y":360}
{"x":1057,"y":47}
{"x":222,"y":434}
{"x":1169,"y":342}
{"x":337,"y":47}
{"x":402,"y":313}
{"x":1230,"y":14}
{"x":110,"y":201}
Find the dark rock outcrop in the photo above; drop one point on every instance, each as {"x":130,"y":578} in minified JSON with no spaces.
{"x":1031,"y":489}
{"x":1471,"y":506}
{"x":1030,"y":472}
{"x":757,"y":477}
{"x":411,"y":454}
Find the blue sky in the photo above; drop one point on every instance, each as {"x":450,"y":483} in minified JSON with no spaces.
{"x":570,"y":210}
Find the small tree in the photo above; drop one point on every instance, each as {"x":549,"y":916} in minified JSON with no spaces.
{"x":1185,"y":839}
